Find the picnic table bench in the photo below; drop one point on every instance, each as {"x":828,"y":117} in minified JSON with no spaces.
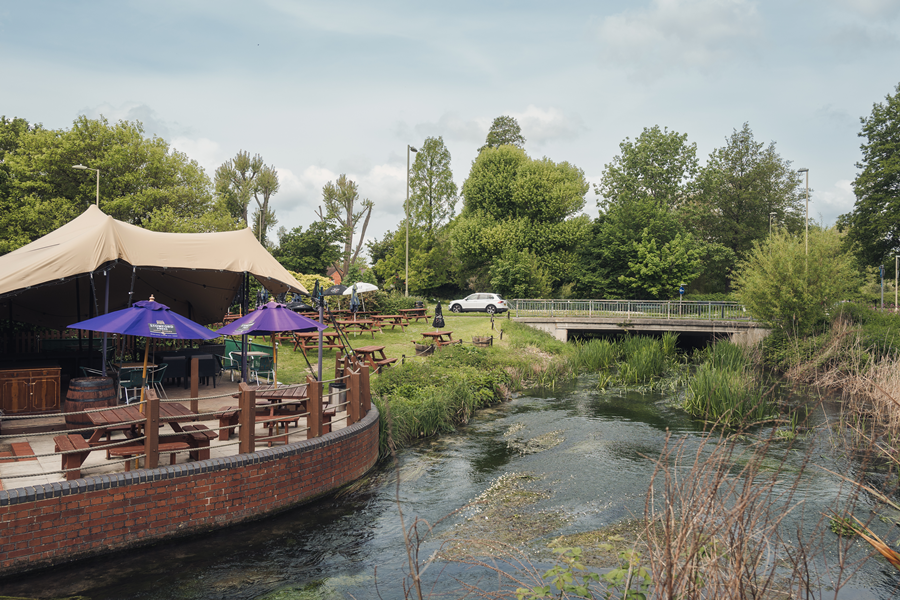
{"x":78,"y":446}
{"x":414,"y":313}
{"x":310,"y":341}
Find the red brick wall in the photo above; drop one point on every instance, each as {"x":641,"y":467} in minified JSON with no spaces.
{"x":54,"y":523}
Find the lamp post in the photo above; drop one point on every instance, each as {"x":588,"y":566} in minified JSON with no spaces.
{"x":771,"y":214}
{"x":84,"y":168}
{"x":896,"y":256}
{"x":406,"y":210}
{"x":805,"y":170}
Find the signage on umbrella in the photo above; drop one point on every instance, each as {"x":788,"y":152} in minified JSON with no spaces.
{"x":162,"y":329}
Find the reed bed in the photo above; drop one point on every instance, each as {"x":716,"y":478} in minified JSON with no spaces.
{"x":725,"y":389}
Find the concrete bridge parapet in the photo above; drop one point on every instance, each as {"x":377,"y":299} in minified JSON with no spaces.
{"x":744,"y":332}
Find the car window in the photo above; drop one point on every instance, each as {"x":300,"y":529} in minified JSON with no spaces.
{"x":499,"y":297}
{"x":471,"y":297}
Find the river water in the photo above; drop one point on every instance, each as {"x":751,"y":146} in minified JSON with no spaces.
{"x":585,"y":459}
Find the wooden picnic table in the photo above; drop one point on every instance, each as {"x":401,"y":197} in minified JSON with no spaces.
{"x":374,"y":356}
{"x":415,"y":313}
{"x":359,"y":326}
{"x":392,"y":320}
{"x":440,"y":338}
{"x":310,"y":340}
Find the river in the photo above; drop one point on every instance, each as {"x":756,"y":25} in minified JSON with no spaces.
{"x":582,"y":458}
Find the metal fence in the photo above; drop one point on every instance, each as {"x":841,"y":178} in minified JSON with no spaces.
{"x":629,"y":309}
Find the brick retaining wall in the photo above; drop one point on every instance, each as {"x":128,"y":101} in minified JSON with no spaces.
{"x":53,"y":523}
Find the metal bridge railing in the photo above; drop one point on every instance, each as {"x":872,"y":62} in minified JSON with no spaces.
{"x":630,"y":309}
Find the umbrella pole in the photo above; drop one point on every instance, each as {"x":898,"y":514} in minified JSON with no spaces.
{"x":321,"y":317}
{"x":274,"y":361}
{"x":144,"y":374}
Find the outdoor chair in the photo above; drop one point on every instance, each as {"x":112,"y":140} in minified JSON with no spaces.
{"x":228,"y":363}
{"x":89,"y":372}
{"x":264,"y":365}
{"x":131,"y":380}
{"x":155,"y":378}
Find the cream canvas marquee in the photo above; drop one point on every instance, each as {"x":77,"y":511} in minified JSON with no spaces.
{"x":52,"y":280}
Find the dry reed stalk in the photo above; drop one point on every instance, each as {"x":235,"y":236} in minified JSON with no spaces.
{"x":714,"y":532}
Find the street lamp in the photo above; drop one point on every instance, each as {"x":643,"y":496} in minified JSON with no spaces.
{"x":770,"y":223}
{"x":895,"y":280}
{"x":84,"y":168}
{"x":805,"y":170}
{"x":406,"y":209}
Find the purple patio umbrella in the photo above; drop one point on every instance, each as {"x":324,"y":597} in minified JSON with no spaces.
{"x":149,"y":319}
{"x":271,"y":319}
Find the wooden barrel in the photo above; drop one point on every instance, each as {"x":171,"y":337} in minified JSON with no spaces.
{"x":86,"y":393}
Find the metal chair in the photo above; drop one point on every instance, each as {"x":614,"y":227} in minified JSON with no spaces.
{"x":155,"y":378}
{"x":131,"y":379}
{"x":262,"y":364}
{"x":89,"y":372}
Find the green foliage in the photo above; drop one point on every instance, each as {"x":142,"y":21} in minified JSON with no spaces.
{"x":429,"y":260}
{"x":644,"y":359}
{"x":142,"y":180}
{"x":504,"y":183}
{"x":592,"y":356}
{"x":432,"y":191}
{"x":637,"y":249}
{"x":740,"y":185}
{"x":519,"y":274}
{"x":311,"y":251}
{"x":629,"y":580}
{"x":504,"y":130}
{"x":659,"y":165}
{"x":420,"y":399}
{"x":872,"y":227}
{"x":725,"y":390}
{"x":781,"y":286}
{"x":390,"y":302}
{"x":242,"y":179}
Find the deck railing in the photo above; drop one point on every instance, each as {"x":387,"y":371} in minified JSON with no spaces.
{"x":629,"y":309}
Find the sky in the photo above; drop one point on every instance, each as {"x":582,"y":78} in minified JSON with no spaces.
{"x":320,"y":89}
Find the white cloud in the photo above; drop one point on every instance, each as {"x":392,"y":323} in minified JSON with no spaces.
{"x":829,"y":204}
{"x":451,"y":126}
{"x":133,"y":111}
{"x":207,"y":153}
{"x":542,"y":125}
{"x":684,"y":34}
{"x":871,"y":9}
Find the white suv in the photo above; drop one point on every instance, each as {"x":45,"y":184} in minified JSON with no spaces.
{"x":489,"y":303}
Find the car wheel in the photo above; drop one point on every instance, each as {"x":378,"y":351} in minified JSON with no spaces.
{"x":456,"y":308}
{"x":491,"y":309}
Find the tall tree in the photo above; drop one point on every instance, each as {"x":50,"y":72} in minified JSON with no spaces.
{"x":514,"y":202}
{"x":659,"y":164}
{"x":142,"y":180}
{"x":242,"y":179}
{"x":310,"y":252}
{"x":340,"y":199}
{"x":741,"y":184}
{"x":432,"y":190}
{"x":872,"y":226}
{"x":504,"y":130}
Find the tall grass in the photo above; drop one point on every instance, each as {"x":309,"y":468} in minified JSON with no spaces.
{"x":726,"y":390}
{"x":594,"y":355}
{"x":645,"y":359}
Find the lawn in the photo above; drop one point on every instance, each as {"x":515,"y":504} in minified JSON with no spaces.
{"x":292,"y":367}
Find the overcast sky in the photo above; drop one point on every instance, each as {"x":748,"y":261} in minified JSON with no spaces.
{"x":320,"y":89}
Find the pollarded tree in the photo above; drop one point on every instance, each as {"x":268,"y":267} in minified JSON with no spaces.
{"x":340,"y":198}
{"x":432,"y":189}
{"x":659,"y":164}
{"x":873,"y":226}
{"x":504,"y":130}
{"x":242,"y":179}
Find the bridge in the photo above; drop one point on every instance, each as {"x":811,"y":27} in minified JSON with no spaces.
{"x":560,"y":318}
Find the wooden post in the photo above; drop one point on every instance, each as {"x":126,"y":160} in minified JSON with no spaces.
{"x":353,"y":394}
{"x":151,"y":430}
{"x":247,"y":419}
{"x":195,"y":384}
{"x":365,"y":393}
{"x":314,"y":407}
